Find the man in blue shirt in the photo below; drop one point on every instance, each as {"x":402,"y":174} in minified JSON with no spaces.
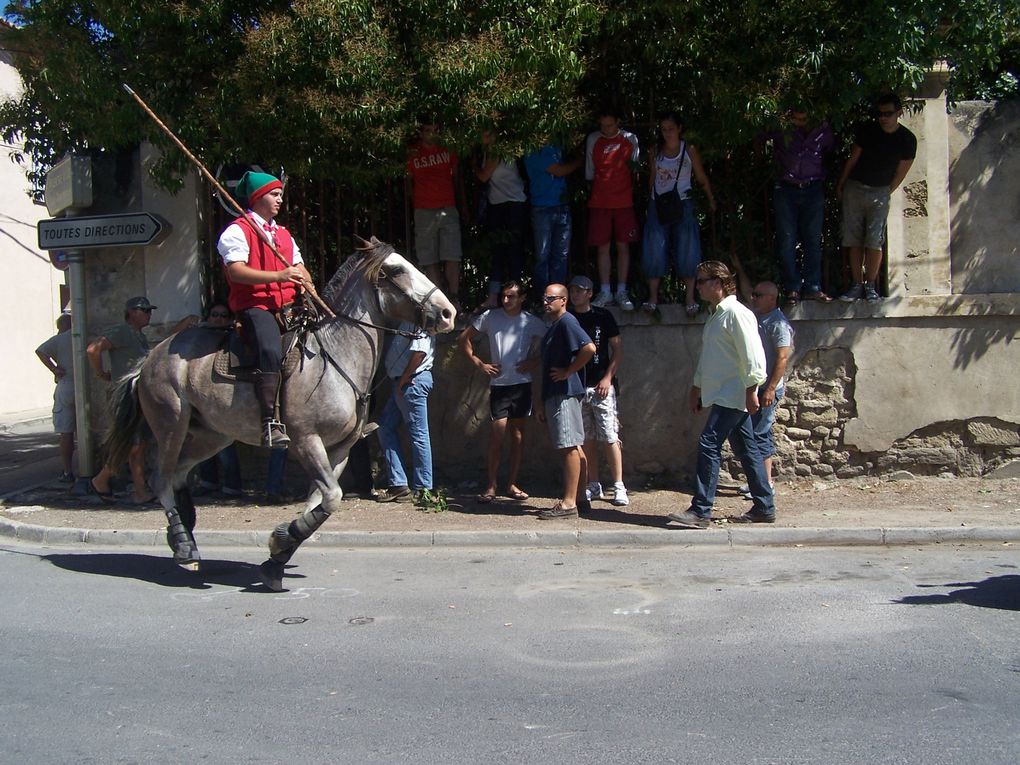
{"x":566,"y":348}
{"x":550,"y":213}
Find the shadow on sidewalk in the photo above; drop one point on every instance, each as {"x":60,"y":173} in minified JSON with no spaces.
{"x":1001,"y":592}
{"x":612,"y":515}
{"x":162,"y":570}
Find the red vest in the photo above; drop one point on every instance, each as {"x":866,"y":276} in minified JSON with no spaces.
{"x":271,"y":296}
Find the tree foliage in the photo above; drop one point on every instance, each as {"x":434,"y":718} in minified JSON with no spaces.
{"x":332,"y":88}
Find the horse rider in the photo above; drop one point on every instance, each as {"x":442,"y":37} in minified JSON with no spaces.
{"x":261,"y":285}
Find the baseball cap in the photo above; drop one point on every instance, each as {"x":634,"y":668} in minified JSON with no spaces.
{"x":581,"y":281}
{"x":141,"y":302}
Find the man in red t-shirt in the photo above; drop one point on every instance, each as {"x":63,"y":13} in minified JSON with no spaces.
{"x":433,"y":178}
{"x":611,"y":156}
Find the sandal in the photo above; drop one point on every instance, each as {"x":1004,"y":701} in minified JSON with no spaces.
{"x":485,"y":498}
{"x":515,"y":493}
{"x":792,"y":297}
{"x":104,"y":496}
{"x":692,"y":309}
{"x":649,"y":307}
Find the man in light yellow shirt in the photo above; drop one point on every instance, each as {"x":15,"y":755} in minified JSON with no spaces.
{"x":731,"y":367}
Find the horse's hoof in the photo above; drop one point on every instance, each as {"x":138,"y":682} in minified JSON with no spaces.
{"x":184,"y":548}
{"x":271,"y":574}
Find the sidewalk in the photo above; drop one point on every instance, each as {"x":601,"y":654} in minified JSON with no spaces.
{"x":857,"y":512}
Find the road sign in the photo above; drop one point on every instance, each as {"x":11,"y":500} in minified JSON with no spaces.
{"x":59,"y":259}
{"x":130,"y":229}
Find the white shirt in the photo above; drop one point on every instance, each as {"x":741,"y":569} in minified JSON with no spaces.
{"x":233,"y":245}
{"x":510,"y":341}
{"x":732,"y":356}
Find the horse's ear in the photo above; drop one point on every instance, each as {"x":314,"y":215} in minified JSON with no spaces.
{"x":374,"y":242}
{"x":362,"y":244}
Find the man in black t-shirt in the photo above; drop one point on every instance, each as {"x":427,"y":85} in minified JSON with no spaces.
{"x":598,"y":407}
{"x":882,"y":154}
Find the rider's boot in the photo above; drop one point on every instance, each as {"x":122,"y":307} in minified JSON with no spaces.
{"x":267,"y":390}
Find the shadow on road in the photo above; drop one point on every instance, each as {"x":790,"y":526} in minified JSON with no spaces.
{"x":1002,"y":592}
{"x":162,"y":571}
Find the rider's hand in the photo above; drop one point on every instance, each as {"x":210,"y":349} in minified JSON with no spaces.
{"x":291,"y":274}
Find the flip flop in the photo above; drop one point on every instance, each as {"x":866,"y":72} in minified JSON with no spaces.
{"x":104,"y":496}
{"x":516,"y":494}
{"x":485,"y":498}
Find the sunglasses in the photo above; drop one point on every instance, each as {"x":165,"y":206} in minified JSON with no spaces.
{"x":551,"y":298}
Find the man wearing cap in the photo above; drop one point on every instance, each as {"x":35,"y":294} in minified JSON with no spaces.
{"x":125,"y":345}
{"x":260,"y":285}
{"x":598,"y":407}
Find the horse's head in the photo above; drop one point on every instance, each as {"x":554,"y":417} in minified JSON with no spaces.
{"x":404,"y":292}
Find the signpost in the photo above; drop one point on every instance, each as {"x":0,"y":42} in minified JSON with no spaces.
{"x":127,"y":230}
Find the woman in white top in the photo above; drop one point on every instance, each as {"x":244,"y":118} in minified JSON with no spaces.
{"x":505,"y":217}
{"x":672,"y":166}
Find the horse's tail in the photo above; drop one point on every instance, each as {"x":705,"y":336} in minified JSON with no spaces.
{"x":127,"y":418}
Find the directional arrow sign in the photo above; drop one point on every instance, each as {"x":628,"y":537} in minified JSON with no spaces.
{"x":131,"y":229}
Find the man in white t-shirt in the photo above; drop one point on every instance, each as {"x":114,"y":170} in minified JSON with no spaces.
{"x":513,"y":335}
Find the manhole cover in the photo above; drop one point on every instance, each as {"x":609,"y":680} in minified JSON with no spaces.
{"x":293,"y":620}
{"x":362,"y":620}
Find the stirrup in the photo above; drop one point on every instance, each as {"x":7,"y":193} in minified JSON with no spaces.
{"x":274,"y":433}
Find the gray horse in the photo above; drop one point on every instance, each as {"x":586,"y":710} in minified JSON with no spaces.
{"x":194,"y":413}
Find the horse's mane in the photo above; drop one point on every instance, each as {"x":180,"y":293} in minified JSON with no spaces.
{"x":367,"y":259}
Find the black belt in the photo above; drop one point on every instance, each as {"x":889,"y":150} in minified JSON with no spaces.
{"x":800,"y":185}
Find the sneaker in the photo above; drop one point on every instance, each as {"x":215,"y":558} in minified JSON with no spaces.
{"x":649,"y":307}
{"x":754,"y":516}
{"x":688,"y":519}
{"x":623,"y":300}
{"x":871,"y":294}
{"x":66,"y":477}
{"x":745,"y":491}
{"x":854,"y":293}
{"x":620,"y":498}
{"x":557,"y":511}
{"x":603,"y":299}
{"x":394,"y":494}
{"x":594,"y":491}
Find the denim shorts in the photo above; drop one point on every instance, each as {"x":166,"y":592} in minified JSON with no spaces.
{"x":677,"y":242}
{"x":563,"y":415}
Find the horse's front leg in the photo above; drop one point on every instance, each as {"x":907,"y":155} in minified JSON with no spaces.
{"x":288,"y":536}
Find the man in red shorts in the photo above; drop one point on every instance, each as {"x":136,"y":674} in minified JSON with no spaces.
{"x":611,"y":156}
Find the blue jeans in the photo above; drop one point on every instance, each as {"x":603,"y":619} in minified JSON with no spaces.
{"x":733,"y":424}
{"x":410,"y":406}
{"x":677,"y":242}
{"x":208,"y":471}
{"x":551,"y":227}
{"x":799,"y":216}
{"x":762,"y":422}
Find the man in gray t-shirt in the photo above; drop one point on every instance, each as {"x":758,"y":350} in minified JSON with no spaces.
{"x":777,"y":338}
{"x":57,"y":357}
{"x":513,"y":335}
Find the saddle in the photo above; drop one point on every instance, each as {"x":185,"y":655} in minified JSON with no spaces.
{"x":236,"y":359}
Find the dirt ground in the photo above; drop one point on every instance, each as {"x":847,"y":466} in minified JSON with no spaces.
{"x":865,"y":502}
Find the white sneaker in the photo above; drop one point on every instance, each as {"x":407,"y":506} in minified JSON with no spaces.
{"x":594,"y":491}
{"x":603,"y":299}
{"x":620,"y":498}
{"x":623,"y":300}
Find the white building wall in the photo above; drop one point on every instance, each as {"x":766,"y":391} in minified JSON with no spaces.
{"x":32,"y":295}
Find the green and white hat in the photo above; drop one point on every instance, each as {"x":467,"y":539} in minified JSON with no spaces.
{"x":254,"y":185}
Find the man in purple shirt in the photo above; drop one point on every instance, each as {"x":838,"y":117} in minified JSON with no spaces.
{"x":799,"y":153}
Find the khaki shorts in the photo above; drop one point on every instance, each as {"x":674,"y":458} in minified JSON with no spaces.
{"x":865,"y":210}
{"x":437,"y":235}
{"x":63,"y":409}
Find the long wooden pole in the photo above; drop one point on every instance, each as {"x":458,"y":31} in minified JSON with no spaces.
{"x":224,"y":194}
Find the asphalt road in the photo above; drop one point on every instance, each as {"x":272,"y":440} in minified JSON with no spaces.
{"x":797,"y":655}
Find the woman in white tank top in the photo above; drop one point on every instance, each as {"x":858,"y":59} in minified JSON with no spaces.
{"x":672,"y":166}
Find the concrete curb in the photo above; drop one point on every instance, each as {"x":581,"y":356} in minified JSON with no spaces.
{"x":623,"y":538}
